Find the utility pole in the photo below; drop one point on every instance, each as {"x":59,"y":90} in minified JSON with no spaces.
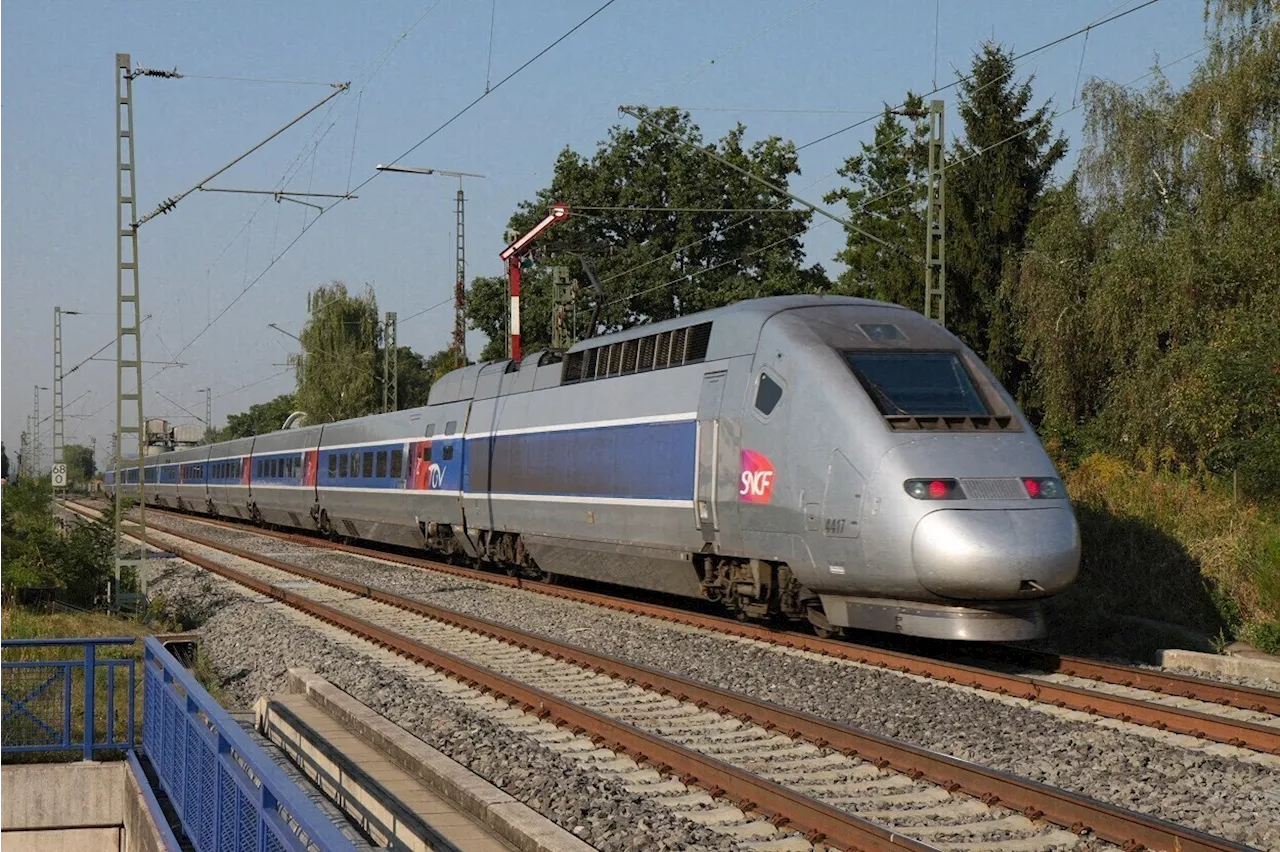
{"x":129,"y":420}
{"x":36,"y":449}
{"x":460,"y":281}
{"x":24,"y":454}
{"x":58,"y":407}
{"x":208,"y":411}
{"x":390,"y":365}
{"x":935,"y":246}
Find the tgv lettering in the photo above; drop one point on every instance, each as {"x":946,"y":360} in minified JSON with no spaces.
{"x":755,"y":483}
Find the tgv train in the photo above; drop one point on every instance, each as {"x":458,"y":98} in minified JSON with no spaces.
{"x":832,"y":459}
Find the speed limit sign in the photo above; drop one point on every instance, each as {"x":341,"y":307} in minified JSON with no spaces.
{"x":59,"y":476}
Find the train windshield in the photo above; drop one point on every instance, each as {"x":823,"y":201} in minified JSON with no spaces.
{"x":917,"y":383}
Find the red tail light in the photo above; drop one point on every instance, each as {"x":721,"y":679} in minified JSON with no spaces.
{"x":1044,"y":488}
{"x":934,"y":489}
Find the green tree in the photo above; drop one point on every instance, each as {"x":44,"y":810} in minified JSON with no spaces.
{"x":1148,"y":300}
{"x":341,"y":366}
{"x":261,"y":418}
{"x":996,"y":177}
{"x":885,"y":198}
{"x":656,"y":260}
{"x":81,"y":465}
{"x":37,"y":552}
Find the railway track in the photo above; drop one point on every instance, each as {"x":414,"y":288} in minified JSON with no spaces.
{"x":1232,"y":715}
{"x":833,"y":784}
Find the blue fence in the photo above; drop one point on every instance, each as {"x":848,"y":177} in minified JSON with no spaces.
{"x":227,"y":792}
{"x":54,"y":705}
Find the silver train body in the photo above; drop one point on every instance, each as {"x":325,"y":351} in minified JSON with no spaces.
{"x":825,"y":458}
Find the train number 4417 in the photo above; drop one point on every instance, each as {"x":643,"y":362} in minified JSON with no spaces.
{"x":834,"y":526}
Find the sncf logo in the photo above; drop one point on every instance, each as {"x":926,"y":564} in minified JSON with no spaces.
{"x":757,"y":478}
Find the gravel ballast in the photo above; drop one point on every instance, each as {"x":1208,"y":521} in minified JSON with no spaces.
{"x":1218,"y":793}
{"x":251,"y":646}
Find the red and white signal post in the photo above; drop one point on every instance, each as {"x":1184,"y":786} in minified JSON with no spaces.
{"x":512,"y":254}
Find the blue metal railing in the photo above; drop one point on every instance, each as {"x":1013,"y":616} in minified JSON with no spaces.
{"x":52,"y":705}
{"x":227,"y":792}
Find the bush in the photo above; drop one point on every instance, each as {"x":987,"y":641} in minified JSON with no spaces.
{"x":39,"y":550}
{"x":1169,"y":560}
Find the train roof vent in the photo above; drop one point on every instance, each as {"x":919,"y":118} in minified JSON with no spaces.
{"x":952,"y":422}
{"x":674,"y":348}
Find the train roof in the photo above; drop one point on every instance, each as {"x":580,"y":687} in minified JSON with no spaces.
{"x":733,"y":330}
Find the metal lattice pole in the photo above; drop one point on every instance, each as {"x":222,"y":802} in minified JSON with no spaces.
{"x":36,"y":449}
{"x":208,"y":412}
{"x":390,"y":365}
{"x":935,"y":251}
{"x":128,"y":321}
{"x":24,"y":454}
{"x":57,"y":390}
{"x":460,"y":288}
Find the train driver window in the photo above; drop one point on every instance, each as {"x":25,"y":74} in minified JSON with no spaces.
{"x":768,"y":395}
{"x":451,"y":427}
{"x":368,"y":465}
{"x":397,"y":463}
{"x":342,"y":466}
{"x":382,"y":465}
{"x":333,"y":465}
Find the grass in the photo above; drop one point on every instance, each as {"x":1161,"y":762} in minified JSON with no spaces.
{"x":1169,"y":561}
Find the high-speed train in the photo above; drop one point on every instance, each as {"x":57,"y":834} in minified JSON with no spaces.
{"x":839,"y":460}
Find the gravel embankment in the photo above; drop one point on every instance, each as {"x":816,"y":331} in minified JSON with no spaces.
{"x":1222,"y":795}
{"x":251,"y":647}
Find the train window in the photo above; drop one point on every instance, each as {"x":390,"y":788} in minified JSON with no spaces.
{"x":447,"y":453}
{"x":426,"y":453}
{"x":451,"y":427}
{"x":431,"y":430}
{"x":381,"y":473}
{"x":916,"y":383}
{"x":368,"y":465}
{"x":768,"y":394}
{"x":397,"y":463}
{"x":342,"y":466}
{"x":333,"y":465}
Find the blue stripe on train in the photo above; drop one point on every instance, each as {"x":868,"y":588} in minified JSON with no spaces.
{"x":653,"y":461}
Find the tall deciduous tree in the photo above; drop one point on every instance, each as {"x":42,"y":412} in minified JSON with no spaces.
{"x":885,"y":198}
{"x":995,"y":179}
{"x":340,"y":370}
{"x":81,"y":465}
{"x":656,"y":261}
{"x":261,"y":418}
{"x":1150,"y":296}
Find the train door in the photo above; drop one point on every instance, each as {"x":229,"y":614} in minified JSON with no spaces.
{"x":706,"y":477}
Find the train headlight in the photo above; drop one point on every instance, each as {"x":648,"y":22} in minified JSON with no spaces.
{"x":934,"y":489}
{"x":1044,"y":489}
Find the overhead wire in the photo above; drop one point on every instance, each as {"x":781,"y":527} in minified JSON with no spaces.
{"x":1019,"y":57}
{"x":1107,"y":18}
{"x":953,"y":164}
{"x":309,"y":225}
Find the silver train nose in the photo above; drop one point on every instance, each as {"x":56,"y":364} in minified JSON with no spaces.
{"x":996,"y":553}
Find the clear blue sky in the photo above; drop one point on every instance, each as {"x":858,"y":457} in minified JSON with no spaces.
{"x":58,"y":170}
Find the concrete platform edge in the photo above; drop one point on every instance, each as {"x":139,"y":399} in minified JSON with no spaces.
{"x":513,"y":820}
{"x":1220,"y":664}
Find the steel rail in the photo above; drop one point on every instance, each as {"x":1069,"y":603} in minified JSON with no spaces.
{"x":1162,"y":717}
{"x":817,"y":821}
{"x":1129,"y":829}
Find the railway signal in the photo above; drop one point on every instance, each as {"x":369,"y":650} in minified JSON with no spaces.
{"x":513,"y":255}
